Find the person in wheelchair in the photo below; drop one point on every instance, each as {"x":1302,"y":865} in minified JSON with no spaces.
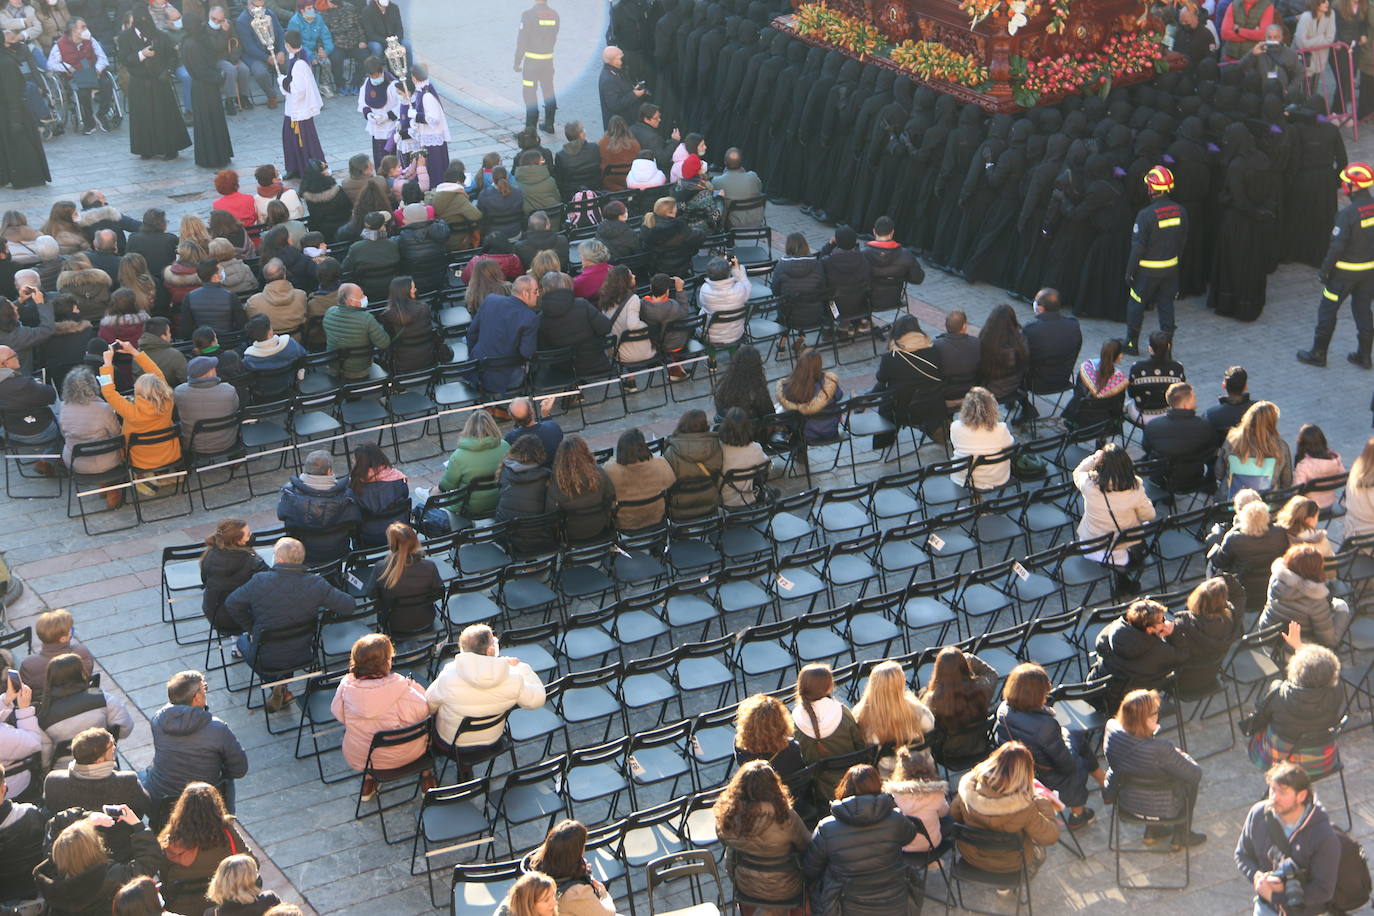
{"x":82,"y":62}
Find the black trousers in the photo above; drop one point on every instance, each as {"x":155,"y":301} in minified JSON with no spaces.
{"x":537,"y":73}
{"x":1151,"y":287}
{"x":1359,"y":286}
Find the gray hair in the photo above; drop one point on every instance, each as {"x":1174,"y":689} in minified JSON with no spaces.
{"x":553,"y":280}
{"x":319,"y":462}
{"x":593,"y":252}
{"x":979,"y":410}
{"x":288,"y":550}
{"x":46,"y":248}
{"x":539,"y":220}
{"x":476,"y":639}
{"x":1313,"y":667}
{"x":480,"y":425}
{"x":1253,"y":518}
{"x":105,"y":240}
{"x":523,"y":283}
{"x":419,"y":71}
{"x":274,"y":270}
{"x":26,"y":277}
{"x":80,"y":387}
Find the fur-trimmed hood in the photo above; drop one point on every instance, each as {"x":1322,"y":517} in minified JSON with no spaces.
{"x":321,"y":197}
{"x":977,"y":798}
{"x":90,"y":276}
{"x":106,"y":213}
{"x":818,"y":402}
{"x":114,"y":321}
{"x":916,"y":787}
{"x":76,"y":326}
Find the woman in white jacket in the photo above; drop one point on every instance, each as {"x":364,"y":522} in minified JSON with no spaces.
{"x":1113,"y":500}
{"x":479,"y":682}
{"x":978,"y":431}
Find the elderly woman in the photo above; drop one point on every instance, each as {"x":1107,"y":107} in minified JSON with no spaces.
{"x":1298,"y":593}
{"x":1293,"y":719}
{"x":596,"y":263}
{"x":977,"y":431}
{"x":86,"y":418}
{"x":1249,"y":549}
{"x":1134,"y":750}
{"x":181,"y":276}
{"x":373,"y":698}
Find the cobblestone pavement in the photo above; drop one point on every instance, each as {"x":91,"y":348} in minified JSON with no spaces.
{"x":314,"y":850}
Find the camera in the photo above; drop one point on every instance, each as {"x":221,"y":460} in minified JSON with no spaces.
{"x":1293,"y":897}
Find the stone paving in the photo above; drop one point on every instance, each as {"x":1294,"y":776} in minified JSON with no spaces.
{"x":313,"y":850}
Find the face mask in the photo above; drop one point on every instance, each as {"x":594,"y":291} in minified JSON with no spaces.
{"x":174,"y":25}
{"x":383,"y":3}
{"x":215,"y":25}
{"x":85,"y":34}
{"x":309,"y":15}
{"x":376,"y":80}
{"x":362,"y":303}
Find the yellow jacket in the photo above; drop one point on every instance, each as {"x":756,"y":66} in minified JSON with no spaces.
{"x":140,"y":416}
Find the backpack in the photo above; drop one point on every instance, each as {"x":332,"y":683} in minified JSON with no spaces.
{"x":584,"y":209}
{"x":1353,"y":884}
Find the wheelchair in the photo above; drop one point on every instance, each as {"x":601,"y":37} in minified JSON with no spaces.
{"x":67,"y":107}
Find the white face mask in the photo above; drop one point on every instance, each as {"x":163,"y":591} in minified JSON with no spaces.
{"x":309,"y":15}
{"x":362,"y":303}
{"x":383,"y":3}
{"x":376,"y":80}
{"x":85,"y":34}
{"x":174,"y":25}
{"x":215,"y":25}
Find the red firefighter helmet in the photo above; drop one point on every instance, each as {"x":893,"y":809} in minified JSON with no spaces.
{"x":1357,"y":177}
{"x":1160,"y":180}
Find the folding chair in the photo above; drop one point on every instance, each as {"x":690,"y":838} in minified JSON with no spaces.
{"x":388,"y":738}
{"x":594,"y":773}
{"x":84,"y":482}
{"x":529,"y":794}
{"x":659,"y":756}
{"x":199,"y":464}
{"x":687,"y":865}
{"x":478,"y":889}
{"x":1123,"y":816}
{"x":447,"y":816}
{"x":962,"y":871}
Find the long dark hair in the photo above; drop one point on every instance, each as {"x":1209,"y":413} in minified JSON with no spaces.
{"x":368,"y":458}
{"x":1001,"y":332}
{"x":1106,"y":362}
{"x":198,"y":820}
{"x":1311,"y":443}
{"x":807,"y":374}
{"x":371,"y":199}
{"x":1116,"y":470}
{"x":574,"y":467}
{"x":742,"y":379}
{"x":631,"y":448}
{"x":618,"y":286}
{"x":315,"y":180}
{"x":754,"y":796}
{"x":562,"y":854}
{"x":399,"y":306}
{"x":952,"y":694}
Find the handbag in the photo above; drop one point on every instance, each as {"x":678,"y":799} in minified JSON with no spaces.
{"x":1135,"y":553}
{"x":1029,"y":467}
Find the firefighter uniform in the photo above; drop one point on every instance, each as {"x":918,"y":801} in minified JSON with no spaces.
{"x":1157,"y":240}
{"x":534,"y":57}
{"x":1348,"y":270}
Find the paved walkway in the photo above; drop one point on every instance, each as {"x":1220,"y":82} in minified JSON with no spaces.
{"x":313,"y":849}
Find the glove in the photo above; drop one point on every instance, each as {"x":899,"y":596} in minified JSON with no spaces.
{"x":367,"y":112}
{"x":1324,"y":278}
{"x":391,"y":115}
{"x":1168,"y":160}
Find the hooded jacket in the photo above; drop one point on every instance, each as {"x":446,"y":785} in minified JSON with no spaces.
{"x":21,"y":848}
{"x":329,"y":209}
{"x":25,"y":404}
{"x":773,"y":844}
{"x":567,"y":321}
{"x":644,"y":174}
{"x":128,"y":328}
{"x":538,"y":186}
{"x":281,"y":302}
{"x":523,"y":493}
{"x":142,"y":416}
{"x":1291,"y":597}
{"x":673,"y":243}
{"x":728,"y":294}
{"x":891,"y":267}
{"x":849,"y":277}
{"x":472,"y":686}
{"x":854,"y":863}
{"x":306,"y":509}
{"x":911,"y":372}
{"x":169,"y":359}
{"x":91,"y":289}
{"x":281,"y":597}
{"x":191,"y":745}
{"x":379,"y":498}
{"x":576,"y":167}
{"x":475,"y":459}
{"x":636,"y":481}
{"x":693,"y":456}
{"x":91,"y":893}
{"x":925,"y":800}
{"x":221,"y":572}
{"x":207,"y":398}
{"x":620,"y":238}
{"x":66,"y":712}
{"x":368,"y":705}
{"x":537,"y":240}
{"x":1133,"y":659}
{"x":424,"y":253}
{"x":1301,"y":715}
{"x":839,"y":734}
{"x":1205,"y":640}
{"x":66,"y":348}
{"x":1030,"y":816}
{"x":822,"y":420}
{"x":800,"y":285}
{"x":346,"y":327}
{"x":451,"y":204}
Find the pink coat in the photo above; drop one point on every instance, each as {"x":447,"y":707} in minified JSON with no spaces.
{"x":588,"y":283}
{"x":371,"y":705}
{"x":1310,"y":468}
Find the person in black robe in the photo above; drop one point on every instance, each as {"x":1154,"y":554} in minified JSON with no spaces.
{"x":898,"y":173}
{"x":1279,"y":142}
{"x":995,"y":252}
{"x":1030,"y":221}
{"x":884,"y":143}
{"x":685,"y":62}
{"x":630,"y":33}
{"x":213,"y":148}
{"x":916,"y":219}
{"x":23,"y":163}
{"x":976,"y":194}
{"x":856,"y":172}
{"x":875,"y":90}
{"x":1149,"y":152}
{"x":1310,"y":194}
{"x":732,"y":66}
{"x":732,"y":102}
{"x":662,"y":78}
{"x":954,"y":165}
{"x":1102,"y":281}
{"x":832,"y":128}
{"x":1187,"y":158}
{"x":1066,"y":224}
{"x":755,"y":124}
{"x":784,"y":171}
{"x":155,"y":125}
{"x":708,"y":67}
{"x":1239,"y":278}
{"x":773,"y":148}
{"x":797,"y":175}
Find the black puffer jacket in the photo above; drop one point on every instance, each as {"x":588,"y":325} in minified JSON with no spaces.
{"x":577,"y":166}
{"x":21,"y":848}
{"x":673,"y":243}
{"x":307,"y":510}
{"x":917,"y":385}
{"x":854,"y":863}
{"x":413,"y":339}
{"x":586,"y":516}
{"x":1205,"y":640}
{"x":1301,"y":714}
{"x":620,"y":238}
{"x":191,"y":745}
{"x":893,"y":267}
{"x":524,"y":492}
{"x":419,"y":581}
{"x":1133,"y":659}
{"x":91,"y":893}
{"x":800,"y":285}
{"x":567,"y":321}
{"x":848,"y":275}
{"x":222,"y":571}
{"x":537,"y":240}
{"x":424,"y":253}
{"x":283,"y":597}
{"x":1250,"y":558}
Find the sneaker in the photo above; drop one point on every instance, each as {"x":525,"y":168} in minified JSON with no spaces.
{"x":1192,"y":839}
{"x":1076,"y":821}
{"x":88,"y":130}
{"x":369,"y":789}
{"x":144,"y":488}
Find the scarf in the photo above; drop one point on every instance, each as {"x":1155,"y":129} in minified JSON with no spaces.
{"x":372,"y":235}
{"x":319,"y":481}
{"x":76,"y":56}
{"x":274,"y":190}
{"x":375,"y":96}
{"x":91,"y":770}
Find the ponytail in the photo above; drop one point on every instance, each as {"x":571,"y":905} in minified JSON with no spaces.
{"x":500,"y":180}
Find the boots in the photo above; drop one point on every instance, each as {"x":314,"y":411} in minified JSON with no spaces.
{"x":1317,"y":355}
{"x":547,"y":126}
{"x":1132,"y":346}
{"x":1361,"y":356}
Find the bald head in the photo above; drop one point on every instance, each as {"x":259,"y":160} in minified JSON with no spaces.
{"x":8,"y":358}
{"x":612,"y":55}
{"x":105,"y":241}
{"x":351,"y":294}
{"x":522,"y":411}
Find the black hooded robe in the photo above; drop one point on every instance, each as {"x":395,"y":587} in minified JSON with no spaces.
{"x":773,"y":153}
{"x":1035,"y":244}
{"x":797,"y":173}
{"x":1239,"y":277}
{"x":917,"y":216}
{"x":1187,"y":158}
{"x":23,"y":163}
{"x":155,"y":125}
{"x":995,"y":252}
{"x":1311,"y":193}
{"x":959,"y":151}
{"x":1102,"y":279}
{"x":875,"y":91}
{"x":884,"y":143}
{"x":976,"y":194}
{"x":213,"y":147}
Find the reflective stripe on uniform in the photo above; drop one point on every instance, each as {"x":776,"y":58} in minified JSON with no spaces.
{"x":1172,"y":262}
{"x":1366,"y":223}
{"x":1134,"y":294}
{"x":1330,"y":295}
{"x":529,"y":83}
{"x":548,"y":22}
{"x":1355,"y":265}
{"x":532,"y":56}
{"x":1166,"y":223}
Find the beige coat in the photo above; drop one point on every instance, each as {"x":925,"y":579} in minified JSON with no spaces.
{"x":640,"y":481}
{"x":775,"y":844}
{"x":1107,"y":513}
{"x":1030,"y":816}
{"x":1359,"y":508}
{"x":923,"y":799}
{"x":281,"y":302}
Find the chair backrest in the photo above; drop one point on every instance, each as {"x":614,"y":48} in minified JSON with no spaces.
{"x":469,"y":724}
{"x":688,"y":865}
{"x":396,"y":737}
{"x":990,"y":840}
{"x":12,"y":641}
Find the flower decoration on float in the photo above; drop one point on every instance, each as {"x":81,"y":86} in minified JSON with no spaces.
{"x":816,"y":20}
{"x":1049,"y":78}
{"x":932,"y":60}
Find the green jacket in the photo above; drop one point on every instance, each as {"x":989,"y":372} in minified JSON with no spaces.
{"x":472,"y":460}
{"x":541,"y":191}
{"x":347,"y":327}
{"x":846,"y":738}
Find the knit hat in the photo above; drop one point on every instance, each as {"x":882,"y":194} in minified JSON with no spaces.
{"x":198,"y":366}
{"x":846,"y":238}
{"x":305,"y":4}
{"x":95,"y":354}
{"x":415,"y":213}
{"x":691,"y":166}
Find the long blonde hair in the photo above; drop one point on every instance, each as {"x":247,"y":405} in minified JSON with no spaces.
{"x":1257,"y":433}
{"x":235,"y":881}
{"x":193,"y":229}
{"x":1009,"y":771}
{"x":78,"y":849}
{"x":887,"y":712}
{"x":525,"y":893}
{"x":155,"y":391}
{"x":404,"y":546}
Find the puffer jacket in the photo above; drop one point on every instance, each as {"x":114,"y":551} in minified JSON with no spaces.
{"x":800,"y":285}
{"x":91,"y":289}
{"x":414,"y":342}
{"x":893,"y":267}
{"x":283,"y":596}
{"x":21,"y":848}
{"x":472,"y":685}
{"x":1149,"y":758}
{"x":452,"y":206}
{"x":1205,"y":642}
{"x":179,"y":279}
{"x":524,"y":492}
{"x":383,"y":499}
{"x":1291,"y":597}
{"x":238,"y":276}
{"x":726,"y":295}
{"x":770,"y":843}
{"x":577,"y":166}
{"x":502,"y":214}
{"x":1056,"y":764}
{"x":91,"y":893}
{"x":567,"y":321}
{"x":822,"y":419}
{"x":475,"y":459}
{"x":1030,"y":816}
{"x":368,"y":705}
{"x":620,"y":238}
{"x":587,"y":515}
{"x":25,"y":404}
{"x":911,"y":372}
{"x":329,"y":209}
{"x":282,"y":303}
{"x":424,"y":253}
{"x":128,"y":328}
{"x":308,"y":509}
{"x":537,"y":240}
{"x":1133,"y":659}
{"x":419,"y":587}
{"x":1301,"y":715}
{"x":69,"y":711}
{"x":191,"y":745}
{"x":65,"y":349}
{"x":925,"y":800}
{"x":1250,"y":558}
{"x":538,"y":186}
{"x":693,"y":456}
{"x":854,"y":862}
{"x":348,"y":328}
{"x":673,"y":243}
{"x":221,"y":572}
{"x":848,"y":276}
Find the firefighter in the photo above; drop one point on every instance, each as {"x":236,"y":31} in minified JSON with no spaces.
{"x":1157,"y":240}
{"x":1348,"y":270}
{"x":534,"y":57}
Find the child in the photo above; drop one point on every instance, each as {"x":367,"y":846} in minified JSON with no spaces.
{"x":54,"y":632}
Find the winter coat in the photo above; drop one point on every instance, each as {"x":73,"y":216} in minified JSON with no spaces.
{"x":221,"y":572}
{"x":159,"y":249}
{"x":822,"y":420}
{"x":854,"y":862}
{"x":65,"y":349}
{"x":659,"y":313}
{"x":892,"y":268}
{"x":567,"y":321}
{"x":1316,"y":850}
{"x":34,"y":668}
{"x":587,"y":515}
{"x":839,"y":734}
{"x":186,"y":873}
{"x":306,"y":510}
{"x":452,"y":206}
{"x":266,"y":900}
{"x":1031,"y":816}
{"x":128,"y":328}
{"x":414,"y":341}
{"x":419,"y":587}
{"x":68,"y":787}
{"x":369,"y":705}
{"x":179,"y":279}
{"x":538,"y":186}
{"x":21,"y":848}
{"x":238,"y":276}
{"x":86,"y":423}
{"x":589,"y":280}
{"x":329,"y":209}
{"x":730,"y":294}
{"x":1251,"y":559}
{"x":1205,"y":640}
{"x":90,"y":288}
{"x":69,"y":242}
{"x":1309,"y":468}
{"x":693,"y":456}
{"x":25,"y":404}
{"x":169,"y":359}
{"x":637,"y":481}
{"x":672,"y":244}
{"x":503,"y":326}
{"x":141,"y":416}
{"x":523,"y":493}
{"x":502,"y":214}
{"x":1301,"y":715}
{"x":621,"y":157}
{"x":1004,"y":374}
{"x":276,"y":354}
{"x":191,"y":745}
{"x":848,"y":276}
{"x":475,"y":459}
{"x":645,"y":174}
{"x":215,"y":306}
{"x":1152,"y":758}
{"x":66,"y":712}
{"x":620,"y":238}
{"x":278,"y":598}
{"x":576,"y":167}
{"x":1291,"y":597}
{"x":627,"y":318}
{"x":372,"y":263}
{"x":736,"y":458}
{"x":383,"y":499}
{"x":911,"y":374}
{"x":473,"y":686}
{"x":346,"y":327}
{"x":772,"y":844}
{"x":799,"y":283}
{"x":91,"y":893}
{"x":537,"y":240}
{"x":1359,"y":508}
{"x":1057,"y":765}
{"x":208,"y":398}
{"x":1053,"y":340}
{"x":967,"y":441}
{"x":549,"y":433}
{"x":1107,"y":513}
{"x":22,"y":739}
{"x":1181,"y":434}
{"x":925,"y":800}
{"x":1133,"y":659}
{"x":960,"y":361}
{"x":281,"y":302}
{"x":424,"y":253}
{"x":1227,"y":413}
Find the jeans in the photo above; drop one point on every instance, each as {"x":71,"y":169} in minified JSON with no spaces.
{"x":237,"y":80}
{"x":39,"y":59}
{"x":263,"y":73}
{"x":184,"y":78}
{"x":336,"y":64}
{"x":375,"y":48}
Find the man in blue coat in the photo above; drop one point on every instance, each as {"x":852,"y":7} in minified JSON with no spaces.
{"x":505,"y":326}
{"x":255,"y":53}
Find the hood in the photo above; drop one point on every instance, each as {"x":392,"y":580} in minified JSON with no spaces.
{"x":1076,"y":125}
{"x":1021,"y":132}
{"x":1191,"y":128}
{"x":279,"y":292}
{"x":643,"y":171}
{"x":1237,"y":140}
{"x":87,"y":218}
{"x":474,"y":444}
{"x":799,"y":267}
{"x":74,"y":893}
{"x":830,"y":67}
{"x":829,"y":711}
{"x":181,"y":720}
{"x":557,"y":303}
{"x":481,"y":671}
{"x":977,"y":797}
{"x":796,"y":52}
{"x":863,"y":810}
{"x":916,"y":787}
{"x":531,"y":174}
{"x":334,"y":489}
{"x":268,"y":347}
{"x":695,"y":446}
{"x":1000,"y":128}
{"x":1056,"y":147}
{"x":519,"y":472}
{"x":829,"y":382}
{"x":970,"y":115}
{"x":1047,"y":120}
{"x":89,"y":276}
{"x":881,"y":252}
{"x":1286,"y":582}
{"x":119,"y":321}
{"x":74,"y":326}
{"x":152,"y":342}
{"x":912,"y":341}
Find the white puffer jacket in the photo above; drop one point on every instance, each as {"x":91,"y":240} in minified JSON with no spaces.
{"x":481,"y":685}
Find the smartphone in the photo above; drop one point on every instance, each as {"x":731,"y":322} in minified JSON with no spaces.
{"x":14,"y":679}
{"x":114,"y":811}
